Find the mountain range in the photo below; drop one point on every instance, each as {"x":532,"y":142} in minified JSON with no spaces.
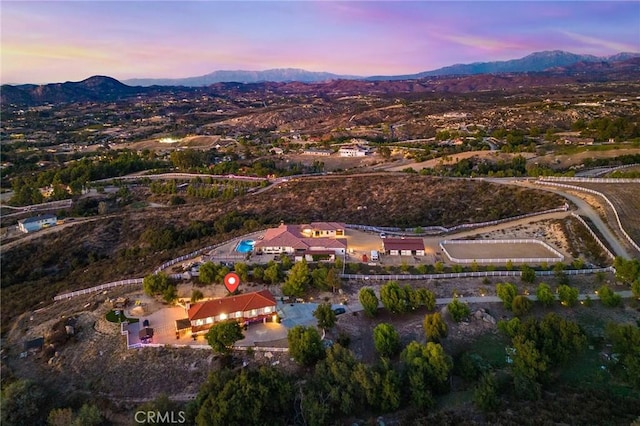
{"x":458,"y":79}
{"x":538,"y":61}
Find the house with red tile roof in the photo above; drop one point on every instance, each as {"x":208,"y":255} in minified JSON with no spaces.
{"x":403,"y":246}
{"x":318,"y":238}
{"x":259,"y":306}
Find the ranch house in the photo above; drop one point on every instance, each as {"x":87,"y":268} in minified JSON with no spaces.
{"x":36,"y":223}
{"x":259,"y":306}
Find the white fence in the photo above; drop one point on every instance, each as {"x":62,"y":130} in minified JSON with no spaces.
{"x":559,"y":256}
{"x":442,"y":230}
{"x":98,"y":288}
{"x":592,"y":191}
{"x":588,"y":179}
{"x":404,"y":277}
{"x":595,"y":237}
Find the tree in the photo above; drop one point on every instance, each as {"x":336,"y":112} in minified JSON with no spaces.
{"x":319,"y":278}
{"x":386,"y":339}
{"x":393,"y":297}
{"x":427,"y":298}
{"x":258,"y":273}
{"x":561,"y":276}
{"x":626,"y":342}
{"x":627,"y":271}
{"x":208,"y":272}
{"x":333,"y":279}
{"x":298,"y":280}
{"x":305,"y":345}
{"x":506,"y":292}
{"x":88,"y":415}
{"x":545,"y":295}
{"x":485,"y":395}
{"x":196,"y":295}
{"x":60,"y":417}
{"x":568,"y":295}
{"x":528,"y":274}
{"x":22,"y":403}
{"x":325,"y":315}
{"x":427,"y":368}
{"x":434,"y":327}
{"x":170,"y":294}
{"x":635,"y":288}
{"x":242,"y":269}
{"x":458,"y":310}
{"x":222,"y":335}
{"x":273,"y":273}
{"x":368,"y":300}
{"x":155,"y":283}
{"x":608,"y":297}
{"x":521,"y":305}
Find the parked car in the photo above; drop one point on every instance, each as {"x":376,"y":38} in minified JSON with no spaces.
{"x":339,"y":311}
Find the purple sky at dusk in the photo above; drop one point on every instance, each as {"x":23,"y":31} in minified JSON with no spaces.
{"x":56,"y":41}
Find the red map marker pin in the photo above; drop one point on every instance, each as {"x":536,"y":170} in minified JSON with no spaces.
{"x":231,"y":281}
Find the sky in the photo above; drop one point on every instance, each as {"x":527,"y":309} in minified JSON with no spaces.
{"x":57,"y":41}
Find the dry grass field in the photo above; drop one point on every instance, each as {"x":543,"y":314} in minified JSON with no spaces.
{"x":626,"y":199}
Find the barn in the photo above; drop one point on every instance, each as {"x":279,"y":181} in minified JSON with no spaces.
{"x":403,"y":246}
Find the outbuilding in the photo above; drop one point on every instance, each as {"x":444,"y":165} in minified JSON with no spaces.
{"x":36,"y":223}
{"x":403,"y":246}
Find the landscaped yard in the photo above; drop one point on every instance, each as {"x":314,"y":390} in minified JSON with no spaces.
{"x":112,"y":316}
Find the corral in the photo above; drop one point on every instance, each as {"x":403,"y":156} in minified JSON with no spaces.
{"x":500,"y":251}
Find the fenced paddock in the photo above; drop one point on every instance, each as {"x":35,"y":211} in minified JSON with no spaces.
{"x":500,"y":251}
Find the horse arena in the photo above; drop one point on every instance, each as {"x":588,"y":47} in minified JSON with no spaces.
{"x":500,"y":251}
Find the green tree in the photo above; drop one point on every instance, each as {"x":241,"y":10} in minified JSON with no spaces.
{"x":305,"y":345}
{"x":273,"y":273}
{"x":60,"y":417}
{"x":485,"y":395}
{"x":545,"y":295}
{"x":458,"y":310}
{"x":393,"y":297}
{"x":521,"y":305}
{"x":265,"y":396}
{"x":506,"y":292}
{"x":88,"y":415}
{"x":427,"y":368}
{"x":333,"y":279}
{"x":434,"y":327}
{"x":159,"y":283}
{"x":196,"y":295}
{"x":560,"y":274}
{"x":627,"y":271}
{"x":242,"y":269}
{"x":568,"y":295}
{"x":258,"y":273}
{"x":319,"y":278}
{"x":626,"y":342}
{"x":222,"y":335}
{"x":325,"y":315}
{"x":170,"y":294}
{"x":208,"y":272}
{"x":608,"y":297}
{"x":635,"y":289}
{"x":298,"y":280}
{"x":368,"y":300}
{"x":528,"y":274}
{"x":511,"y":327}
{"x":386,"y":340}
{"x":23,"y":403}
{"x":427,"y":298}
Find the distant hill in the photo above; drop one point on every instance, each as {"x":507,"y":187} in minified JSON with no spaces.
{"x":100,"y":88}
{"x":535,"y":62}
{"x":97,"y":88}
{"x":275,"y":75}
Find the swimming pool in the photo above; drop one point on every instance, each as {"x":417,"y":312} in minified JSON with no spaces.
{"x":245,"y":246}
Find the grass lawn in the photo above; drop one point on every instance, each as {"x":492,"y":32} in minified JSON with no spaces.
{"x":491,"y":347}
{"x":112,"y":317}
